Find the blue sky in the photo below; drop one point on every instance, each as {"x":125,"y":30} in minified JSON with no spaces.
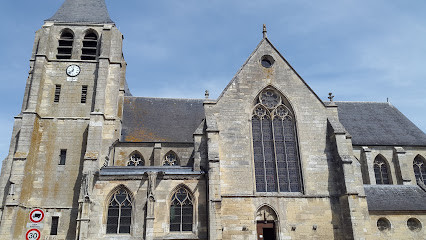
{"x":361,"y":50}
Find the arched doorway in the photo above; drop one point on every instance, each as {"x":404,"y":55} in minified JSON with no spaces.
{"x":266,"y":224}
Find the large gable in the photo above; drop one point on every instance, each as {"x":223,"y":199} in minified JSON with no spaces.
{"x":266,"y":44}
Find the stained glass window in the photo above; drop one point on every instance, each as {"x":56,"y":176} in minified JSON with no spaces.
{"x":170,"y":159}
{"x":181,"y":211}
{"x":119,"y":212}
{"x":276,"y":158}
{"x":419,"y":167}
{"x":136,"y":160}
{"x":381,"y":171}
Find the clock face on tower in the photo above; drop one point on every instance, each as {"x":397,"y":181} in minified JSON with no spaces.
{"x":73,"y":70}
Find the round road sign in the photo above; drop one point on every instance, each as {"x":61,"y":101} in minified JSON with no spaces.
{"x":33,"y":234}
{"x":36,"y":215}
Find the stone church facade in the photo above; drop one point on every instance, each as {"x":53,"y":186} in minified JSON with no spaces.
{"x":267,"y":159}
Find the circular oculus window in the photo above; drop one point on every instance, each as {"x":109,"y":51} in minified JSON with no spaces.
{"x":383,"y":224}
{"x":267,"y":61}
{"x":414,"y":224}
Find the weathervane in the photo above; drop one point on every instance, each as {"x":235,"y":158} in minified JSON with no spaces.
{"x":264,"y":31}
{"x":330,"y":96}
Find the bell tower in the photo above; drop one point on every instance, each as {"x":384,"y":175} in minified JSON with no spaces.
{"x":70,"y":116}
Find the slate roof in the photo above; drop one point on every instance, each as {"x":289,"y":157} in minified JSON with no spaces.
{"x":395,"y":198}
{"x":82,"y":11}
{"x":160,"y":119}
{"x":373,"y":123}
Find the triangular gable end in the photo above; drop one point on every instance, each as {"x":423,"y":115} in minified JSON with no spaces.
{"x":266,"y":41}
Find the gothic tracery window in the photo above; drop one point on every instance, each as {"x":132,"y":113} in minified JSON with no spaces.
{"x":419,"y":167}
{"x":119,"y":212}
{"x":276,"y":157}
{"x":136,"y":160}
{"x":181,"y":211}
{"x":170,"y":159}
{"x":381,"y":171}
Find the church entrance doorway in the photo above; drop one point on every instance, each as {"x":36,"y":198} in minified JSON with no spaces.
{"x":266,"y":231}
{"x":266,"y":223}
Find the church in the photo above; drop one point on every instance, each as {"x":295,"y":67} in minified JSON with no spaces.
{"x":266,"y":160}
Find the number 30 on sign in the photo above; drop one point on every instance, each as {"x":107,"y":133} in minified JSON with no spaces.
{"x":33,"y":234}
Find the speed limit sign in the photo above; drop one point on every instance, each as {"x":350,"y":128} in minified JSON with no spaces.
{"x":33,"y":234}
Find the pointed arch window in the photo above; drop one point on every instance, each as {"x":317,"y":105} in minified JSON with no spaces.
{"x":136,"y":160}
{"x":419,"y":167}
{"x":65,"y":45}
{"x":90,"y":47}
{"x":170,"y":159}
{"x":119,"y":212}
{"x":276,"y":155}
{"x":381,"y":170}
{"x":181,"y":211}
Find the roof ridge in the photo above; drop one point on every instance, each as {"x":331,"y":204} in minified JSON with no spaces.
{"x":390,"y":185}
{"x":360,"y":102}
{"x":182,"y":99}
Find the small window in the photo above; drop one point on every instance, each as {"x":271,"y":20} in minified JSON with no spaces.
{"x":62,"y":157}
{"x":381,"y":170}
{"x":181,"y":211}
{"x":54,"y":226}
{"x":90,"y":47}
{"x":57,"y":92}
{"x":136,"y":160}
{"x":65,"y":45}
{"x":16,"y":141}
{"x":419,"y":167}
{"x":11,"y":188}
{"x":83,"y":94}
{"x":170,"y":159}
{"x":383,"y":224}
{"x":414,"y":224}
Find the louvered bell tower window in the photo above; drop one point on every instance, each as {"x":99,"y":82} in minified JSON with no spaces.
{"x":119,"y":212}
{"x":419,"y":167}
{"x":276,"y":154}
{"x":83,"y":98}
{"x":57,"y":93}
{"x":181,"y":211}
{"x":65,"y":45}
{"x":381,"y":171}
{"x":90,"y":47}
